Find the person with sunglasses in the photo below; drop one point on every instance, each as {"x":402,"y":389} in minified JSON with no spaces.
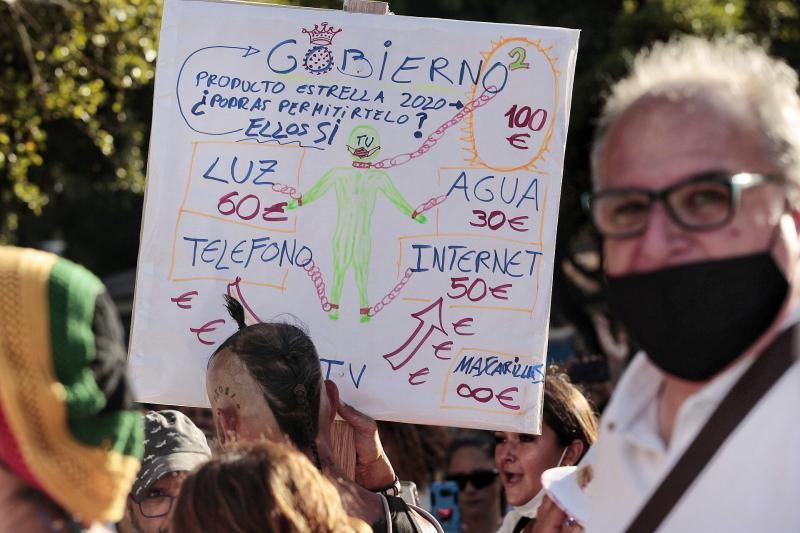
{"x":569,"y":427}
{"x":471,"y":465}
{"x":173,"y":447}
{"x":696,"y":166}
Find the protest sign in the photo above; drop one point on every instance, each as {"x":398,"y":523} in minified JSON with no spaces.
{"x":391,"y":182}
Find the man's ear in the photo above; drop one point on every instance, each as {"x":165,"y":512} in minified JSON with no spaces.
{"x":574,"y":453}
{"x":333,"y":398}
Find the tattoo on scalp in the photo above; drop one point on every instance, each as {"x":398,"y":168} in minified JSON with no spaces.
{"x":225,"y":391}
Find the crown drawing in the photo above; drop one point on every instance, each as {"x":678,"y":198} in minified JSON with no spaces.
{"x":322,"y":34}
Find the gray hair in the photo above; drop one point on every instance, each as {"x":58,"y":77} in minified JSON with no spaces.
{"x":733,"y":64}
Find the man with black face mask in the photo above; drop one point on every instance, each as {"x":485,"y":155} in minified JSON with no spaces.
{"x":696,"y":171}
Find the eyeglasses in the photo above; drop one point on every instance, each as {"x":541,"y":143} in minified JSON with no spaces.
{"x":701,"y":203}
{"x":156,"y":506}
{"x":479,"y":479}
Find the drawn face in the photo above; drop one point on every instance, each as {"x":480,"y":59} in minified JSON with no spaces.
{"x":521,"y":459}
{"x":657,"y":143}
{"x":364,"y":143}
{"x":475,"y":502}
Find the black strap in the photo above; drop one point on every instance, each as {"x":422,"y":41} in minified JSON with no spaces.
{"x":745,"y":394}
{"x":524,"y":521}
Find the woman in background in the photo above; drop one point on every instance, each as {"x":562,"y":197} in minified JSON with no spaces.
{"x":471,"y":466}
{"x":569,"y":427}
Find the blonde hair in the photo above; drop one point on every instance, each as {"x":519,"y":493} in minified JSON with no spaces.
{"x":262,"y":487}
{"x":734,"y":65}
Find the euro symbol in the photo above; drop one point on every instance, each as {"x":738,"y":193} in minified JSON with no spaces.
{"x":445,"y":346}
{"x":463,"y":323}
{"x":518,"y":140}
{"x":414,"y":377}
{"x":206,"y":328}
{"x":183,"y":300}
{"x":505,"y":398}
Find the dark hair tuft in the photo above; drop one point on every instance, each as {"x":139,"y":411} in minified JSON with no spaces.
{"x":236,"y":310}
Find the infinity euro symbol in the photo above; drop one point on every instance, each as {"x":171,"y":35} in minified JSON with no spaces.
{"x":519,"y":140}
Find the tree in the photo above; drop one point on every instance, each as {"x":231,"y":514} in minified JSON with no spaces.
{"x":76,"y":93}
{"x":75,"y":103}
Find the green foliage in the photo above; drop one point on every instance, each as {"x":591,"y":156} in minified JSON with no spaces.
{"x":79,"y":62}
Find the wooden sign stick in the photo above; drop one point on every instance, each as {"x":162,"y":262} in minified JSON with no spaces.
{"x":344,"y":450}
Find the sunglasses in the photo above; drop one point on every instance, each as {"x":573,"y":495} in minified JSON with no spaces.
{"x":479,"y":479}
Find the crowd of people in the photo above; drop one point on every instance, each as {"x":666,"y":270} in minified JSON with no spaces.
{"x":696,"y":168}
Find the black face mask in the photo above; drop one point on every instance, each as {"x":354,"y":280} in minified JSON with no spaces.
{"x":693,"y":320}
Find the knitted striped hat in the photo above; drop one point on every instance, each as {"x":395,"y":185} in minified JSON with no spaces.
{"x":66,"y":427}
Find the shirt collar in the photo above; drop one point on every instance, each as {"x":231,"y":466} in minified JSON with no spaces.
{"x":631,"y":412}
{"x":631,"y":408}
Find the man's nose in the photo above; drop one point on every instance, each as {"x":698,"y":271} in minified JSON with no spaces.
{"x":660,"y":236}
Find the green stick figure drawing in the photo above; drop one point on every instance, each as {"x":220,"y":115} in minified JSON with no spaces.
{"x":356,"y":189}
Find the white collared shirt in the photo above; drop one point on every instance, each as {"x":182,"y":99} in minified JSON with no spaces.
{"x":751,"y":483}
{"x":527,"y":510}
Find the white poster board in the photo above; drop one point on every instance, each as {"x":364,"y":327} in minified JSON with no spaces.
{"x":391,"y":181}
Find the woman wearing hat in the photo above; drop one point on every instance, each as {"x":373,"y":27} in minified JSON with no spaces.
{"x":69,"y":442}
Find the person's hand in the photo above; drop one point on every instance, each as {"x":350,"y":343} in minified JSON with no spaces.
{"x":292,"y":204}
{"x":551,"y":519}
{"x":421,"y":218}
{"x":373,"y":469}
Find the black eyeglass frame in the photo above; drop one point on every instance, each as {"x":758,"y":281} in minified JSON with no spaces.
{"x":169,"y":507}
{"x":736,"y":183}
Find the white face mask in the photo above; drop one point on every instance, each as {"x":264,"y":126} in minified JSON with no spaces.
{"x":529,"y":509}
{"x":562,"y":456}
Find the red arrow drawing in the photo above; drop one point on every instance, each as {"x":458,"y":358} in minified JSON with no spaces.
{"x":235,"y":287}
{"x":396,"y":358}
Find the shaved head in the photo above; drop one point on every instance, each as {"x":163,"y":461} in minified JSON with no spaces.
{"x":240,"y":409}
